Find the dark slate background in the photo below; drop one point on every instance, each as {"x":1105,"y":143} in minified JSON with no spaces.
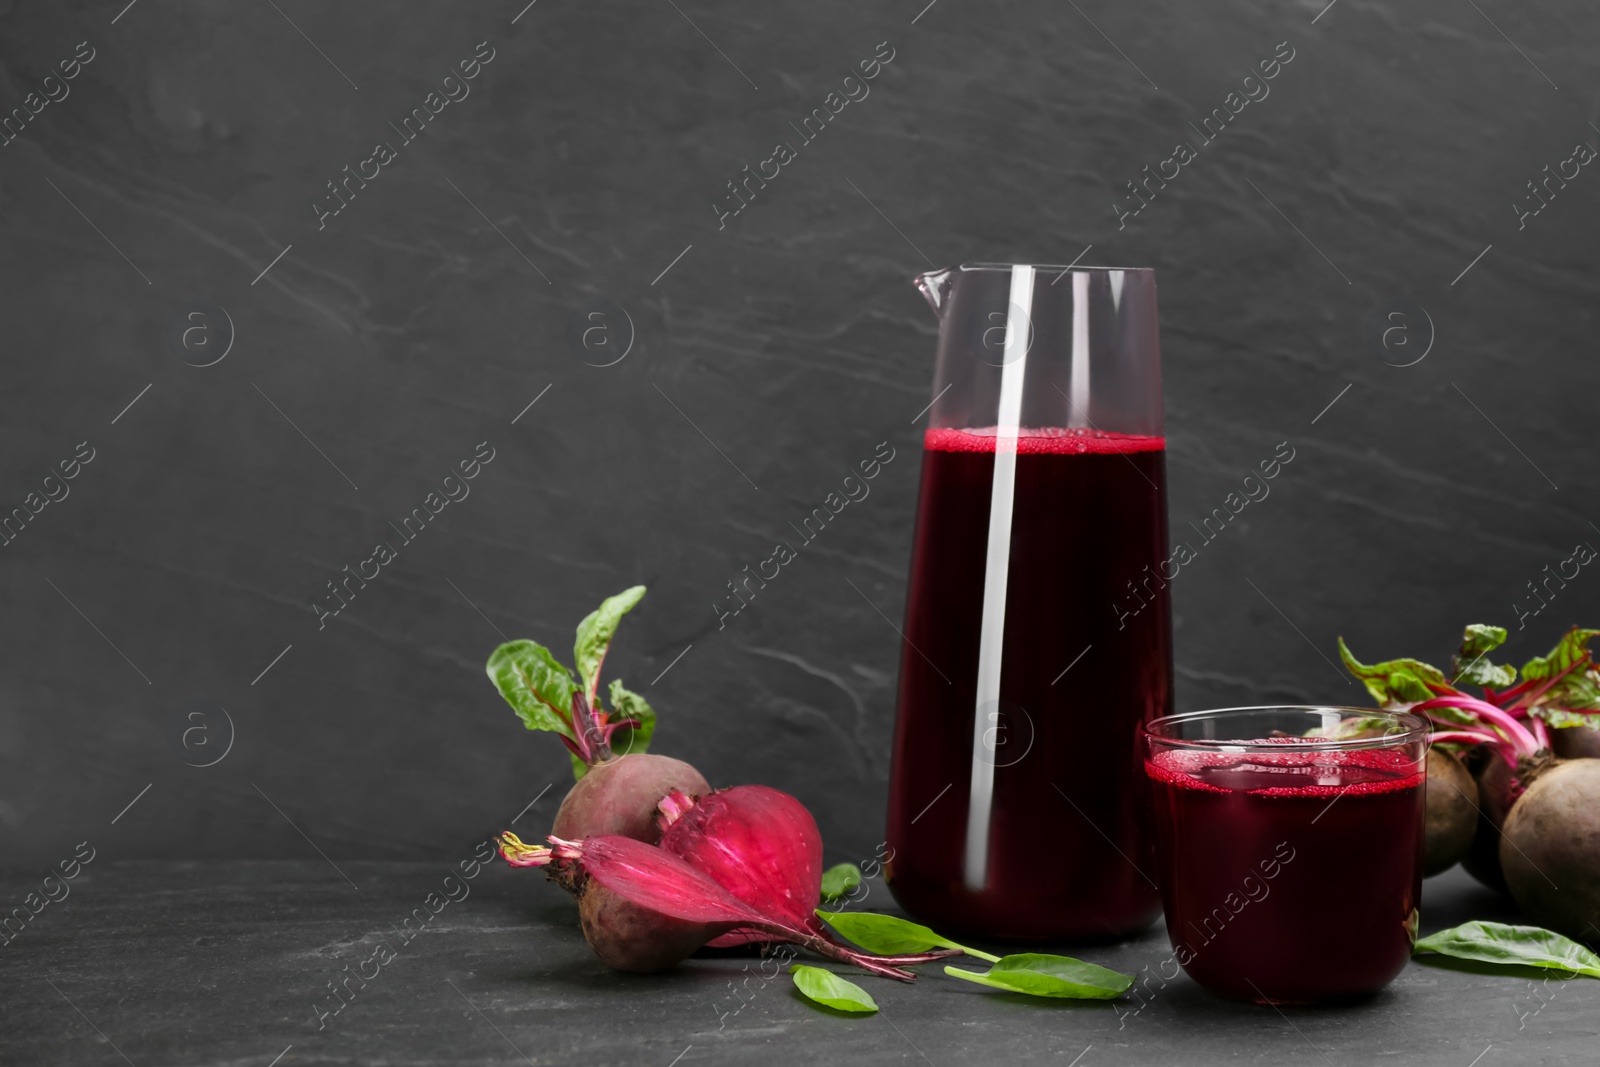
{"x":427,"y":315}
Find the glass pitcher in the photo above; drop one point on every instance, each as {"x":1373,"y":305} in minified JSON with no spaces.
{"x":1038,"y":628}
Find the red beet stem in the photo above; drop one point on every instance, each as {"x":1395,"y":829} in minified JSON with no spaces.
{"x":910,"y":959}
{"x":1465,"y":736}
{"x":590,"y":738}
{"x":612,"y":727}
{"x":865,"y":960}
{"x":672,"y":807}
{"x":1541,"y":733}
{"x":1521,"y":741}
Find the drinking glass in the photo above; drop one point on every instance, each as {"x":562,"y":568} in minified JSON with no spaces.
{"x":1037,"y":636}
{"x":1289,"y":847}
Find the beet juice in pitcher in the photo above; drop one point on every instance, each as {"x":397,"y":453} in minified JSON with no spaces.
{"x":1038,"y":634}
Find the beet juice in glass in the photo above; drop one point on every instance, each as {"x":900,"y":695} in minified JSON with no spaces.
{"x":1289,"y":847}
{"x":1037,"y":633}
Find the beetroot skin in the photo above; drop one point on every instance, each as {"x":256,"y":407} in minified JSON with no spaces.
{"x":1575,"y":742}
{"x":629,"y":938}
{"x":1452,"y":812}
{"x":619,"y":797}
{"x":1497,"y":790}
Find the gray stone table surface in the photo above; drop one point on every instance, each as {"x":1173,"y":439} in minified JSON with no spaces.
{"x":229,"y":963}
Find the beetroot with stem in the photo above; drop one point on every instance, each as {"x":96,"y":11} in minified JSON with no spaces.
{"x":736,"y":866}
{"x":1508,"y":735}
{"x":624,"y":935}
{"x":619,"y":783}
{"x":1461,"y":823}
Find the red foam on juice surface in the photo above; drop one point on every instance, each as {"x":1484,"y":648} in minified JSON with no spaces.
{"x":1363,"y":771}
{"x":1042,"y":439}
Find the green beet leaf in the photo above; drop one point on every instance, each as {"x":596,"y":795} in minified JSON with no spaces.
{"x":1520,"y":946}
{"x":538,"y":688}
{"x":1562,"y":718}
{"x":1399,"y":681}
{"x":1471,"y":661}
{"x":888,"y":935}
{"x":839,"y":881}
{"x":1041,"y":975}
{"x":1487,"y":674}
{"x":1573,"y":646}
{"x":1578,"y":691}
{"x":829,"y":989}
{"x":595,"y":633}
{"x":1479,"y":638}
{"x":626,"y":704}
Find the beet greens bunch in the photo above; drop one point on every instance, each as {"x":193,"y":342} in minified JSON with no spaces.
{"x":1513,"y":786}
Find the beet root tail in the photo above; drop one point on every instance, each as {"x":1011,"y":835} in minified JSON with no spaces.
{"x":519,"y":854}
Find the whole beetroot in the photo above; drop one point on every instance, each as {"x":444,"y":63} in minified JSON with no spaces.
{"x":1498,"y":786}
{"x":1550,"y":851}
{"x":619,"y":783}
{"x":1500,"y":736}
{"x":1452,"y":812}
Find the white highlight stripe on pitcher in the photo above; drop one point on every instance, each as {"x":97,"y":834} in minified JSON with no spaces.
{"x":997,"y":565}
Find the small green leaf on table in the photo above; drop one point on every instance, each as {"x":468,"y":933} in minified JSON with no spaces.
{"x":1040,"y":975}
{"x":888,"y":935}
{"x":828,"y":989}
{"x":839,"y":881}
{"x":1519,"y":946}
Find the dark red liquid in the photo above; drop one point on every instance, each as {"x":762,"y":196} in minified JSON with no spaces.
{"x":1290,"y":877}
{"x":1067,"y":819}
